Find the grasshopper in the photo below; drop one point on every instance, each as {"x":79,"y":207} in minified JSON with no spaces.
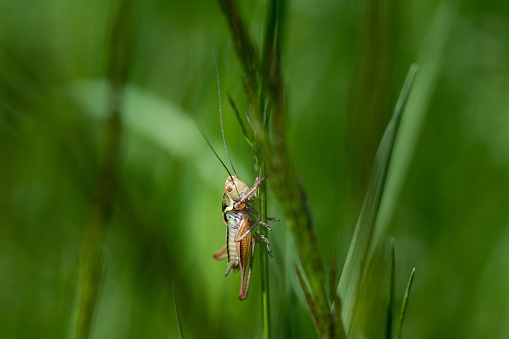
{"x":239,"y":216}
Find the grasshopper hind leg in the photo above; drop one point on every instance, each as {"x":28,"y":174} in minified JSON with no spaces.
{"x":243,"y":292}
{"x":256,"y":238}
{"x":251,"y":228}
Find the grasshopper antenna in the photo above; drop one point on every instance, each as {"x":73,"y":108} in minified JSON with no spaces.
{"x":220,"y":114}
{"x":202,"y":131}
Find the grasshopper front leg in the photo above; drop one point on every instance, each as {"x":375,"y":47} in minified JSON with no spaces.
{"x":249,"y":195}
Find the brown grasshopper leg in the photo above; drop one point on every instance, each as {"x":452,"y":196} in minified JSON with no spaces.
{"x":243,"y":293}
{"x":219,"y":254}
{"x":249,"y":194}
{"x":251,"y":228}
{"x":256,"y":236}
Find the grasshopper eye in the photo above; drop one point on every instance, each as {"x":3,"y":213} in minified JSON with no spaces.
{"x":229,"y":189}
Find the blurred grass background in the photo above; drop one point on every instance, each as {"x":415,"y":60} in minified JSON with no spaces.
{"x":344,"y":63}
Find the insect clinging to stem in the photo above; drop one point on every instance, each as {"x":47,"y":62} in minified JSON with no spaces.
{"x":239,"y":215}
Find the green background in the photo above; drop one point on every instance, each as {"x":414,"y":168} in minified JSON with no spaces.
{"x":344,"y":63}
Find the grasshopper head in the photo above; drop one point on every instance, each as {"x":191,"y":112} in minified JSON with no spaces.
{"x":234,"y":188}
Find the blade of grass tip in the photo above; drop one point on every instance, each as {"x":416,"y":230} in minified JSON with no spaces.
{"x":179,"y":325}
{"x":404,"y":304}
{"x":429,"y":61}
{"x":390,"y":294}
{"x":350,"y":280}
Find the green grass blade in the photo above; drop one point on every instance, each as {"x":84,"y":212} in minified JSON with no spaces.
{"x":429,"y":61}
{"x":350,"y":280}
{"x":179,"y":325}
{"x":416,"y":107}
{"x":404,"y":304}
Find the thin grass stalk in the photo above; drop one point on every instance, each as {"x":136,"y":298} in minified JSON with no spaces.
{"x":267,"y":52}
{"x":404,"y":304}
{"x":292,"y":197}
{"x":256,"y":96}
{"x":91,"y":265}
{"x":283,"y":178}
{"x":264,"y":271}
{"x":272,"y":79}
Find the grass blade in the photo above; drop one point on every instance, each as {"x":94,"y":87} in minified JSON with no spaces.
{"x":390,"y":295}
{"x":429,"y":62}
{"x":179,"y":325}
{"x":404,"y":304}
{"x":379,"y":210}
{"x":350,"y":280}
